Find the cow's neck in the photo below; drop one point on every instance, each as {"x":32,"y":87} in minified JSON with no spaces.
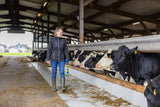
{"x":133,"y":66}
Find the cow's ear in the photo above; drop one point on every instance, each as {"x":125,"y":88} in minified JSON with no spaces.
{"x":134,"y":50}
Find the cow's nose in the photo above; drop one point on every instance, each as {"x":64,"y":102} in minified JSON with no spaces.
{"x":97,"y":65}
{"x":81,"y":65}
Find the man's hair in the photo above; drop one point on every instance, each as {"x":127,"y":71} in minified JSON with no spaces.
{"x":56,"y":30}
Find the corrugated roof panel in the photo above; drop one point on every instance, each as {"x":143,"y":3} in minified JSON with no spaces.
{"x":27,"y":21}
{"x":96,"y":35}
{"x":105,"y":2}
{"x":3,"y":12}
{"x":52,"y":18}
{"x":141,"y":7}
{"x":88,"y":12}
{"x":32,"y":12}
{"x":1,"y":25}
{"x":26,"y":25}
{"x":111,"y":19}
{"x":115,"y":31}
{"x":27,"y":14}
{"x":69,"y":22}
{"x":65,"y":8}
{"x":31,"y":3}
{"x":2,"y":1}
{"x":44,"y":24}
{"x":134,"y":27}
{"x":91,"y":26}
{"x":73,"y":30}
{"x":150,"y":25}
{"x":3,"y":20}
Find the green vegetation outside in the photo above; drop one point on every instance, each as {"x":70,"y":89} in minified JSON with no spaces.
{"x":16,"y":54}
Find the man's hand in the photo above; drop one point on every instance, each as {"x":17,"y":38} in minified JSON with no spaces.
{"x":48,"y":62}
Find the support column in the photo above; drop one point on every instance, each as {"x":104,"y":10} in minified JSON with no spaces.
{"x":59,"y":11}
{"x":38,"y":39}
{"x":35,"y":38}
{"x":81,"y":21}
{"x":33,"y":41}
{"x":42,"y":35}
{"x":48,"y":18}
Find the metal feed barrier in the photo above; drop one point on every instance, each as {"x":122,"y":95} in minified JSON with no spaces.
{"x":145,"y":44}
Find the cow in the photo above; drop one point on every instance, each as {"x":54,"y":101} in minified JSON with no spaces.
{"x":92,"y":54}
{"x":42,"y":56}
{"x":106,"y":61}
{"x":92,"y":61}
{"x":35,"y":54}
{"x":152,"y":92}
{"x":75,"y":60}
{"x":140,"y":66}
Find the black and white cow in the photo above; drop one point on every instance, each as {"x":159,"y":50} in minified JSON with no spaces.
{"x":140,"y":66}
{"x":92,"y":61}
{"x":152,"y":92}
{"x":35,"y":54}
{"x":42,"y":56}
{"x":92,"y":54}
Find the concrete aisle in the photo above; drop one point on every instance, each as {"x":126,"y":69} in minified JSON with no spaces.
{"x":22,"y":86}
{"x":80,"y":93}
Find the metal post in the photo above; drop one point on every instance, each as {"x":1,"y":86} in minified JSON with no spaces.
{"x":33,"y":41}
{"x":42,"y":35}
{"x":48,"y":29}
{"x":35,"y":38}
{"x":59,"y":11}
{"x":81,"y":21}
{"x":38,"y":39}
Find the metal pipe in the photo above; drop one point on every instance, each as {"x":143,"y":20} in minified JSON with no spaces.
{"x":145,"y":44}
{"x":48,"y":18}
{"x":38,"y":39}
{"x":81,"y":21}
{"x":59,"y":11}
{"x":42,"y":35}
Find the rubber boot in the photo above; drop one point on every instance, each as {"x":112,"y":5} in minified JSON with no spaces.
{"x":63,"y":84}
{"x":54,"y":84}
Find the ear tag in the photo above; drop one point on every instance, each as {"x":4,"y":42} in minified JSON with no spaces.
{"x":109,"y":56}
{"x":155,"y":92}
{"x":135,"y":52}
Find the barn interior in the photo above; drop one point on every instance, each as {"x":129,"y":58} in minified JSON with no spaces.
{"x":88,"y":25}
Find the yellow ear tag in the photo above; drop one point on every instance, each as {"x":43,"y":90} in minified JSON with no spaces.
{"x":71,"y":54}
{"x":135,"y":52}
{"x":109,"y":56}
{"x":154,"y":92}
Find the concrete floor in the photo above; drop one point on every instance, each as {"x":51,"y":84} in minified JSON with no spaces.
{"x":22,"y":86}
{"x":80,"y":93}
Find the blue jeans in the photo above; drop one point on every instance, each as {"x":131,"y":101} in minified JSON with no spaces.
{"x":61,"y":68}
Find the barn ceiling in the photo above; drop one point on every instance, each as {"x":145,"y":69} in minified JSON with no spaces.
{"x":103,"y":19}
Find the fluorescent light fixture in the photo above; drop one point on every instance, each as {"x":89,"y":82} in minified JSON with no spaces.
{"x":136,"y":23}
{"x":39,"y":14}
{"x":105,"y":29}
{"x":45,"y":3}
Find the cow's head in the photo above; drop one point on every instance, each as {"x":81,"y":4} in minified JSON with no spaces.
{"x":152,"y":92}
{"x":120,"y":60}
